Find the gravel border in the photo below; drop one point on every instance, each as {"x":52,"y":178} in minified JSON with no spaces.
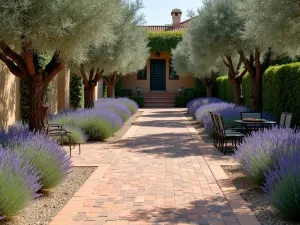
{"x":256,"y":199}
{"x":43,"y":209}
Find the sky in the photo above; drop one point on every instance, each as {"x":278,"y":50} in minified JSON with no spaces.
{"x":158,"y":12}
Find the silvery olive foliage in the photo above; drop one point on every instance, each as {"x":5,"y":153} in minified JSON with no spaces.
{"x":273,"y":23}
{"x":64,"y":25}
{"x":129,"y":52}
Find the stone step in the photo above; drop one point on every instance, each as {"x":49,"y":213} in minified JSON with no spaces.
{"x":159,"y":105}
{"x":159,"y":100}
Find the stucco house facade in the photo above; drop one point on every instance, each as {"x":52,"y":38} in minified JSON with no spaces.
{"x":158,"y":75}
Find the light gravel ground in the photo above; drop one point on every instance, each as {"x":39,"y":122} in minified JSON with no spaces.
{"x":257,"y":200}
{"x":42,"y":210}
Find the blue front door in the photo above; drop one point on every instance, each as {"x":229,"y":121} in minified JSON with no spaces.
{"x":158,"y":75}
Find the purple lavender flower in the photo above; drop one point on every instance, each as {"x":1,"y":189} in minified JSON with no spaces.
{"x":193,"y":105}
{"x":46,"y":155}
{"x":14,"y":132}
{"x":204,"y":110}
{"x":119,"y":109}
{"x":19,"y":183}
{"x":132,"y":106}
{"x":99,"y":124}
{"x":261,"y":151}
{"x":283,"y":185}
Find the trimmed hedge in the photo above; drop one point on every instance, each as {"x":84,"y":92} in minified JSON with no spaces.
{"x":125,"y":93}
{"x":139,"y":100}
{"x":182,"y":101}
{"x":164,"y":41}
{"x":280,"y":90}
{"x":76,"y":91}
{"x":200,"y":89}
{"x":224,"y":89}
{"x":246,"y":85}
{"x":189,"y":92}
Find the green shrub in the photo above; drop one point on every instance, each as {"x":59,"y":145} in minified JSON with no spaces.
{"x":118,"y":89}
{"x":76,"y":92}
{"x":182,"y":101}
{"x":281,"y":90}
{"x":246,"y":84}
{"x":140,"y":101}
{"x":224,"y":89}
{"x":164,"y":41}
{"x":125,"y":93}
{"x":200,"y":89}
{"x":189,"y":92}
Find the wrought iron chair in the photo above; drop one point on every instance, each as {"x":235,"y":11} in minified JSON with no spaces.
{"x":56,"y":130}
{"x":282,"y":119}
{"x":288,"y":120}
{"x":224,"y":135}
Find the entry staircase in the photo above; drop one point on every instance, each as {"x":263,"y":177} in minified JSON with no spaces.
{"x":159,"y":99}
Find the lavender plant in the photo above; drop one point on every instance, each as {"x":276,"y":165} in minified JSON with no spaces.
{"x":204,"y":110}
{"x":19,"y":182}
{"x":132,"y":106}
{"x":283,"y":185}
{"x":119,"y":109}
{"x":46,"y":155}
{"x":77,"y":135}
{"x":196,"y":103}
{"x":261,"y":151}
{"x":99,"y":124}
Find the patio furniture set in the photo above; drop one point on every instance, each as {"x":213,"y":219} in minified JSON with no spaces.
{"x":250,"y":121}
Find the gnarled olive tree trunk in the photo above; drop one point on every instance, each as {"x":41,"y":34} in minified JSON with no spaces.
{"x":26,"y":66}
{"x":235,"y":78}
{"x":111,"y":81}
{"x":90,"y":85}
{"x":256,"y":70}
{"x":208,"y":84}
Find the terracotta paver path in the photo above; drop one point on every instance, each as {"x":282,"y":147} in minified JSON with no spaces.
{"x":155,"y":175}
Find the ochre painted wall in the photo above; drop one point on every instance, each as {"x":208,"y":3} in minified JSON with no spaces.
{"x":63,"y":89}
{"x":131,"y":82}
{"x":10,"y":97}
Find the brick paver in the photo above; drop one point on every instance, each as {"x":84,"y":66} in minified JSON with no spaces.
{"x":155,"y":175}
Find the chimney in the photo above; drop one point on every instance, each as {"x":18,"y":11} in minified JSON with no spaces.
{"x":176,"y":16}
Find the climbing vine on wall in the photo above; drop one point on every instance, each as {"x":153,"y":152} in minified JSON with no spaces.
{"x":164,"y":41}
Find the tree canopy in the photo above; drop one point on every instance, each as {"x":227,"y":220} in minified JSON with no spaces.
{"x":62,"y":28}
{"x":275,"y":24}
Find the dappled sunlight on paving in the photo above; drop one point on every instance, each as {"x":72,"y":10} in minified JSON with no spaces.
{"x":156,"y":174}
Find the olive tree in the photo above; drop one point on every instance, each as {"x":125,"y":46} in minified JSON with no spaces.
{"x":62,"y":28}
{"x":216,"y":35}
{"x":219,"y":31}
{"x":274,"y":24}
{"x":125,"y":56}
{"x":183,"y":64}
